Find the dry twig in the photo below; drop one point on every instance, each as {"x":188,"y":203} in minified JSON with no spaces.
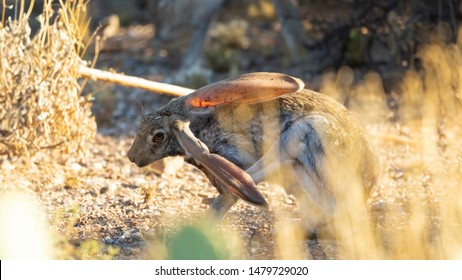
{"x":131,"y":81}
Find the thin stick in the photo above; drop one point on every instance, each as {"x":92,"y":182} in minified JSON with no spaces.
{"x":135,"y":82}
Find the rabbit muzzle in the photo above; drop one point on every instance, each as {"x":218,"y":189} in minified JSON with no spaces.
{"x":140,"y":154}
{"x":139,"y":161}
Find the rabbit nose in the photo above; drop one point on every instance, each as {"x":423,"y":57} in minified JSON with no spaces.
{"x":131,"y":155}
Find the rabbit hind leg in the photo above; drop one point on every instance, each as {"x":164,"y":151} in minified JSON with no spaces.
{"x":296,"y":161}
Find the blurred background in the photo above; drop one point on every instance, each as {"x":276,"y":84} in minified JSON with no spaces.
{"x":192,"y":43}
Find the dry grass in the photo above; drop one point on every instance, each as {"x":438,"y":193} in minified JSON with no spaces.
{"x":41,"y":105}
{"x":417,"y":207}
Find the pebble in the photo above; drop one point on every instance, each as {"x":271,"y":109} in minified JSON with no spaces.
{"x":6,"y":165}
{"x":140,"y":181}
{"x":76,"y":167}
{"x":99,"y":164}
{"x":112,"y":187}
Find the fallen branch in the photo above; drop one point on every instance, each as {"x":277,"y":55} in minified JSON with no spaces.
{"x":130,"y":81}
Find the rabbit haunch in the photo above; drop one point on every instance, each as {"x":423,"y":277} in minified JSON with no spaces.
{"x":304,"y":141}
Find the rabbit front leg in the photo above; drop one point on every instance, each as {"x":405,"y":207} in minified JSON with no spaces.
{"x":224,"y":201}
{"x":221,"y":205}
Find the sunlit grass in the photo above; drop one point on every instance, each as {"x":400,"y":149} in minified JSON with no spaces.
{"x":416,"y":206}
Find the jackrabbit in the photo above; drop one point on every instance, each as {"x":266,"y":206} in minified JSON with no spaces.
{"x":270,"y":126}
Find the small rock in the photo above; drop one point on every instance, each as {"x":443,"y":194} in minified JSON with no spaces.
{"x":76,"y":167}
{"x":99,"y":165}
{"x":112,"y":187}
{"x":108,"y":240}
{"x":6,"y":165}
{"x":140,"y":181}
{"x":92,"y":193}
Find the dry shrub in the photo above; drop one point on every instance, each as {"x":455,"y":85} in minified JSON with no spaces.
{"x":41,"y":105}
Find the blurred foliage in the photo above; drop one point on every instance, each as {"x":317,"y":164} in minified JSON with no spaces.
{"x":196,"y":239}
{"x":190,"y":243}
{"x":31,"y":237}
{"x":227,"y":40}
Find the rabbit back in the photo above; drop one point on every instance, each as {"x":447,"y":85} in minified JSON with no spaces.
{"x":244,"y":134}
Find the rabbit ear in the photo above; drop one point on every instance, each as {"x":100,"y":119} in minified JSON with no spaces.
{"x":245,"y":89}
{"x":235,"y":179}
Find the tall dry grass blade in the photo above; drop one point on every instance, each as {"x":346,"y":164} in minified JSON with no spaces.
{"x":29,"y":11}
{"x":3,"y":12}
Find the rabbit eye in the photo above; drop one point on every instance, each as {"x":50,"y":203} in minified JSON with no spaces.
{"x":157,"y":137}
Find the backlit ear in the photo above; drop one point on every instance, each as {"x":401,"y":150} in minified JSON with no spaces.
{"x":245,"y":89}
